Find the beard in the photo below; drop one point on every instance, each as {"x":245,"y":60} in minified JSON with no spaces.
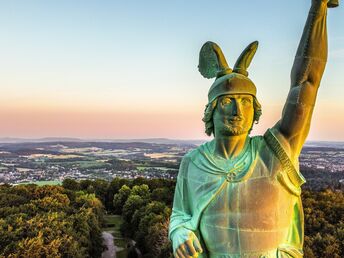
{"x":233,"y":127}
{"x":232,"y":130}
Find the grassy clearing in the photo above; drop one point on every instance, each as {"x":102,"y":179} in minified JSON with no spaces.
{"x":56,"y":182}
{"x":81,"y":164}
{"x":93,"y":165}
{"x":140,"y":168}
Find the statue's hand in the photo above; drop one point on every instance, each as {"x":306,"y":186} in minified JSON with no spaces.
{"x":332,"y":3}
{"x":186,"y":244}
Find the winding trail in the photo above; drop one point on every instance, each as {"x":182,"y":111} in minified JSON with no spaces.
{"x":111,"y":248}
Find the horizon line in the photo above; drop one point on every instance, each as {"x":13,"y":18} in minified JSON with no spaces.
{"x":86,"y":139}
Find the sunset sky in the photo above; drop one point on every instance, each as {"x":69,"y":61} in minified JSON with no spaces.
{"x":128,"y":69}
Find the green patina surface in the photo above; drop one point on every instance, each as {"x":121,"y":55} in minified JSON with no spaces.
{"x":238,"y":196}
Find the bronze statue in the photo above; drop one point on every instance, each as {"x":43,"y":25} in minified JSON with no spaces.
{"x":239,"y":196}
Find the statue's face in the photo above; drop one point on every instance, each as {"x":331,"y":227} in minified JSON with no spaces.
{"x":233,"y":115}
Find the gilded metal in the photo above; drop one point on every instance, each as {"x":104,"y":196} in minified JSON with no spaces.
{"x":239,"y":196}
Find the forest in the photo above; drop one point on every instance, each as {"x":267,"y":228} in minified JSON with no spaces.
{"x":49,"y":221}
{"x":66,"y":221}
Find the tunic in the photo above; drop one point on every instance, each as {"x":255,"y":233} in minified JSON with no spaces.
{"x":249,"y":206}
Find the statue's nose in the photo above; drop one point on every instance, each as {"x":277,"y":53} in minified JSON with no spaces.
{"x":236,"y":108}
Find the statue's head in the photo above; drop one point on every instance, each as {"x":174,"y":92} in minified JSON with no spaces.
{"x":232,"y":114}
{"x":232,"y":105}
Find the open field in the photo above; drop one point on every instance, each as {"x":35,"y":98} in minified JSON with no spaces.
{"x":55,"y":182}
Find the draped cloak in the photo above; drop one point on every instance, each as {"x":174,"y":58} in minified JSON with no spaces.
{"x":249,"y":206}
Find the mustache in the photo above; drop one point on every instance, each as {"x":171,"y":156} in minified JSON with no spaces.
{"x":235,"y":118}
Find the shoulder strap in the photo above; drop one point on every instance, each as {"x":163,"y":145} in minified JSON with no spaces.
{"x":290,"y":177}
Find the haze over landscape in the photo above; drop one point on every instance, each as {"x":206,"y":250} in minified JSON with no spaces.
{"x":112,"y":69}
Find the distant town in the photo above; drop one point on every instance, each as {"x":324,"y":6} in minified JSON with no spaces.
{"x":53,"y":161}
{"x":328,"y":159}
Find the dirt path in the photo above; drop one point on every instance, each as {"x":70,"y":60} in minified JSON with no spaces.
{"x":112,"y":227}
{"x":111,"y":248}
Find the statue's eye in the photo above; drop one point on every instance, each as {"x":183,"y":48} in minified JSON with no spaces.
{"x":246,"y":101}
{"x":226,"y":101}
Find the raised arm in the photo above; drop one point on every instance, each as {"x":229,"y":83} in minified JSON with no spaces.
{"x":308,"y":68}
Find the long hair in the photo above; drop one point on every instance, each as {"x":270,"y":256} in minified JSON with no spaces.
{"x":209,"y":112}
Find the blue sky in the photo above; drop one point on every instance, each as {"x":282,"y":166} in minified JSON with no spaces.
{"x":128,"y":59}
